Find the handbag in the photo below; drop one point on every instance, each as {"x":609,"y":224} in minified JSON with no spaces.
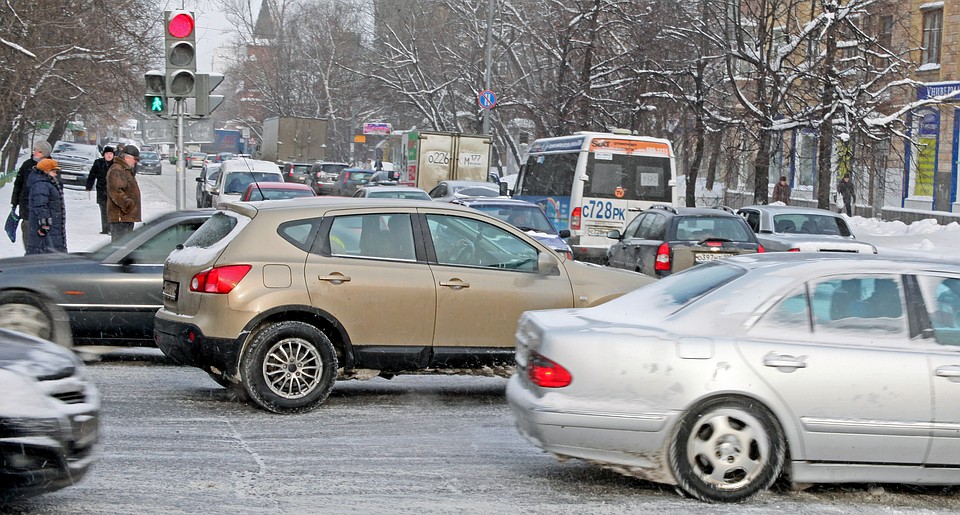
{"x":11,"y":226}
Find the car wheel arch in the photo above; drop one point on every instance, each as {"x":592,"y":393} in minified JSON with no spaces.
{"x":322,"y":320}
{"x":62,"y":333}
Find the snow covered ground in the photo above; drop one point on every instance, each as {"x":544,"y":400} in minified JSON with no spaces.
{"x":924,"y":238}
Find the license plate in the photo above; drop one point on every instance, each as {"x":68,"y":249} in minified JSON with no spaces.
{"x":703,"y":257}
{"x":170,"y":289}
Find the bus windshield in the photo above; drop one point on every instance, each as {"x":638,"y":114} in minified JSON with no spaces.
{"x":549,"y":175}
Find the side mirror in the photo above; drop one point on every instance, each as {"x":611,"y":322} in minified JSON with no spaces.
{"x":503,"y":189}
{"x":214,"y":191}
{"x":547,"y":264}
{"x":200,"y":179}
{"x":615,"y":235}
{"x":564,"y":234}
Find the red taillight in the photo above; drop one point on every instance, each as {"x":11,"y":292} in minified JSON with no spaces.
{"x":794,"y":250}
{"x":221,"y":279}
{"x":714,"y":243}
{"x":760,"y":249}
{"x":575,"y":219}
{"x":663,"y":258}
{"x":547,"y":374}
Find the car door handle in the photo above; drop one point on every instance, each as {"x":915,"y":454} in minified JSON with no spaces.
{"x":455,"y":284}
{"x":948,"y":371}
{"x":784,"y":361}
{"x":334,"y":278}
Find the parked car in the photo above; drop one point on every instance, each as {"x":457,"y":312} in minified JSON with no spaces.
{"x":49,"y":417}
{"x":296,"y":172}
{"x":824,"y":368}
{"x":349,"y":180}
{"x":237,"y":174}
{"x":404,"y":192}
{"x":526,"y":216}
{"x":276,"y":191}
{"x":323,"y":175}
{"x":149,"y":162}
{"x":385,"y":178}
{"x":107,"y":296}
{"x":664,"y":240}
{"x":206,"y":182}
{"x":446,"y":191}
{"x":802,"y":229}
{"x":75,"y":160}
{"x":446,"y":284}
{"x":196,"y":159}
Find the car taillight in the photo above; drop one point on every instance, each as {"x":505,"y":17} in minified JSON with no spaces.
{"x":221,"y":279}
{"x":575,"y":219}
{"x":795,"y":249}
{"x":663,"y":258}
{"x":761,"y":250}
{"x":546,"y":373}
{"x":714,"y":243}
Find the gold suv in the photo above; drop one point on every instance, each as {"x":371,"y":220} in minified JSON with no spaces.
{"x":279,"y":299}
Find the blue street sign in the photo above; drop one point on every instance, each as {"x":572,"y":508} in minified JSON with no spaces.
{"x":487,"y":99}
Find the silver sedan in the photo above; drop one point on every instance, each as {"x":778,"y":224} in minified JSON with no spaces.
{"x":822,"y":367}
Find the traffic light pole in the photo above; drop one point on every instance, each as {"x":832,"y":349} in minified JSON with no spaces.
{"x":181,"y":182}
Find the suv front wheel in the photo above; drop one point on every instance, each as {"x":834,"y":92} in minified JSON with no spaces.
{"x":289,"y":367}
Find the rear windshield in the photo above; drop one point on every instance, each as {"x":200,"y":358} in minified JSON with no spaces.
{"x":358,"y":176}
{"x":701,"y":228}
{"x":213,"y":230}
{"x":804,"y":223}
{"x":671,"y":293}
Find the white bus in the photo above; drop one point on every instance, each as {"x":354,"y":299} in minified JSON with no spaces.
{"x":592,"y":183}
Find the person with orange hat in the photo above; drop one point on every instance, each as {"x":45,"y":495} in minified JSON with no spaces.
{"x":48,"y":214}
{"x":21,"y":192}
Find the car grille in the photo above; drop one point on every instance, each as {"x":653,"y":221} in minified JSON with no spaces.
{"x":74,"y":397}
{"x":74,"y":167}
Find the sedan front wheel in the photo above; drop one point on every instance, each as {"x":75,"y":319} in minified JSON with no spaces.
{"x":290,"y":367}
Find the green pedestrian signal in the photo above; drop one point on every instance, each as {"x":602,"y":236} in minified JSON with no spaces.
{"x":156,"y":105}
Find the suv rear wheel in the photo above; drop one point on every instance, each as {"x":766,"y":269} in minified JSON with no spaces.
{"x":290,"y":367}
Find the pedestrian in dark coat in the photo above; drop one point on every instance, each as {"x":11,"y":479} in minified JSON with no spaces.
{"x":48,"y":213}
{"x":781,"y":191}
{"x":98,"y":178}
{"x":845,"y":189}
{"x":123,"y":193}
{"x":21,"y":193}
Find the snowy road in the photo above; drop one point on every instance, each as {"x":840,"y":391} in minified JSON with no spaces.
{"x":175,"y":442}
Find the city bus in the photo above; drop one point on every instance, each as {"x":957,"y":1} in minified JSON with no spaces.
{"x":591,"y":183}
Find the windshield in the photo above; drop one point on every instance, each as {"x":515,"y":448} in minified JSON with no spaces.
{"x":77,"y":149}
{"x":549,"y":175}
{"x":149,"y":155}
{"x":527,"y":218}
{"x":475,"y":191}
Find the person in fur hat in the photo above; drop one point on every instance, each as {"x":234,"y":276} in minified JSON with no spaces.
{"x":123,"y":193}
{"x":48,"y":215}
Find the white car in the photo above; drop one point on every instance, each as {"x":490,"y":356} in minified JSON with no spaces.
{"x":237,"y":174}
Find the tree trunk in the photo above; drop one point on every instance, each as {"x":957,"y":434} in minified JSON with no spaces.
{"x":716,"y":141}
{"x":761,"y":169}
{"x":57,"y":131}
{"x":695,"y":161}
{"x":827,"y":99}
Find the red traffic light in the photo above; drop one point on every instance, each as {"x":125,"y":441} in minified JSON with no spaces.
{"x":180,"y":25}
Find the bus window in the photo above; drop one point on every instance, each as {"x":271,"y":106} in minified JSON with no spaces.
{"x":549,"y":175}
{"x":638,"y":177}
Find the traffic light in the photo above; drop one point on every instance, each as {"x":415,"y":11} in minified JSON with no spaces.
{"x":181,"y":53}
{"x":155,"y":98}
{"x":206,"y":83}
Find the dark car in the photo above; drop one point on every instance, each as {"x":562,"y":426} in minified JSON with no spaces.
{"x":384,"y":178}
{"x":108,"y":296}
{"x":49,"y":417}
{"x":349,"y":180}
{"x":296,"y":172}
{"x":526,"y":216}
{"x":205,"y":183}
{"x":149,"y":162}
{"x":663,"y":240}
{"x":323,"y":175}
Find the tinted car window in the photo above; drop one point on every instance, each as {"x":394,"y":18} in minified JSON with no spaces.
{"x":155,"y":250}
{"x":632,"y":227}
{"x":941,"y":296}
{"x":215,"y":229}
{"x":527,"y":217}
{"x":300,"y":233}
{"x":549,"y":175}
{"x":373,"y":236}
{"x":860,"y":306}
{"x":468,"y":242}
{"x":804,"y":223}
{"x":699,"y":228}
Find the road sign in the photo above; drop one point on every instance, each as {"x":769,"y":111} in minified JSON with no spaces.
{"x":165,"y":131}
{"x":487,"y":99}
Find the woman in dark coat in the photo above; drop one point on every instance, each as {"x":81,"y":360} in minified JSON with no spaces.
{"x":48,"y":213}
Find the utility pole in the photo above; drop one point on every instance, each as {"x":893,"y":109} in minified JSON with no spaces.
{"x":489,"y":64}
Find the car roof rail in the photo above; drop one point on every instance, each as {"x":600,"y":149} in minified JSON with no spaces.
{"x":725,"y":208}
{"x":664,"y":207}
